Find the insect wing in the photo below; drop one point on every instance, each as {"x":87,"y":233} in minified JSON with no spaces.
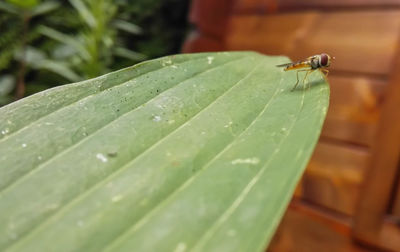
{"x":285,"y":65}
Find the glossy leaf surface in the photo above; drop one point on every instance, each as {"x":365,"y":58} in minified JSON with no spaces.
{"x":195,"y":152}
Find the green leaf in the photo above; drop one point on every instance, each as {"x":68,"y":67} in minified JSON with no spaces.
{"x":7,"y":84}
{"x":37,"y":59}
{"x":27,"y":4}
{"x":84,"y":12}
{"x":8,"y":8}
{"x":45,"y":8}
{"x":58,"y":68}
{"x":195,"y":152}
{"x":65,"y":39}
{"x":31,"y":55}
{"x":129,"y":54}
{"x":127,"y":26}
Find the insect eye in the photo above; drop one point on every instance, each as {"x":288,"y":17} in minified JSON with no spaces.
{"x":324,"y":59}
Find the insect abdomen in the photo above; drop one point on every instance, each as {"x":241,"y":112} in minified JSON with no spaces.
{"x":297,"y":66}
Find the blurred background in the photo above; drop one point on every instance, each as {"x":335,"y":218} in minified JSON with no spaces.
{"x":44,"y":43}
{"x":349,"y":196}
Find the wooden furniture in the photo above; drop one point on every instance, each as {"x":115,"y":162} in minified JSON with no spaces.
{"x":349,"y":197}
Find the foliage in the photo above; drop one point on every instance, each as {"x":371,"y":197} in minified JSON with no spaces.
{"x":16,"y":25}
{"x":194,"y":152}
{"x":44,"y":43}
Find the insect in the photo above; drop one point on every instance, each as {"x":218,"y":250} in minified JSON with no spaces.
{"x":319,"y":61}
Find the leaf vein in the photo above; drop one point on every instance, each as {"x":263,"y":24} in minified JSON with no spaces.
{"x":89,"y":136}
{"x":80,"y":100}
{"x":229,"y":211}
{"x":97,"y":185}
{"x":161,"y":204}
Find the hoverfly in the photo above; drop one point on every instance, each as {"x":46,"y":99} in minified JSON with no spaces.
{"x":320,"y":61}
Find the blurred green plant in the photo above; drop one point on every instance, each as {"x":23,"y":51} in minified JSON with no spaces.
{"x":91,"y":51}
{"x":47,"y":43}
{"x":16,"y":34}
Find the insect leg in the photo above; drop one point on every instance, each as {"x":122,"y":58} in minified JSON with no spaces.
{"x":326,"y":72}
{"x":297,"y":75}
{"x":305,"y":77}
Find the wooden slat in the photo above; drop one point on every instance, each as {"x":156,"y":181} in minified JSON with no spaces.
{"x":354,"y":109}
{"x":262,"y":6}
{"x":390,"y":236}
{"x":333,"y":4}
{"x":333,"y":177}
{"x":304,"y":229}
{"x":357,"y":39}
{"x":210,"y":17}
{"x":255,"y":6}
{"x":275,"y":34}
{"x":383,"y":167}
{"x":196,"y":42}
{"x":363,"y":42}
{"x":396,"y":202}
